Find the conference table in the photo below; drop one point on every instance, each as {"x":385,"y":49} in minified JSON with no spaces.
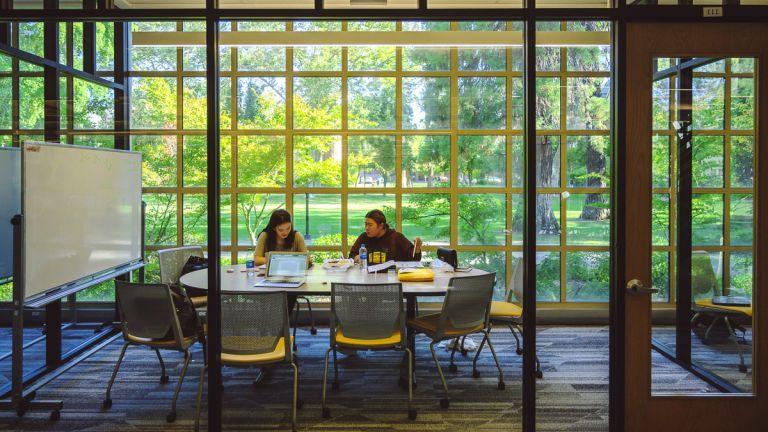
{"x":234,"y":279}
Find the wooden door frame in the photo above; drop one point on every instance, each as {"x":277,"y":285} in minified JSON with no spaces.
{"x":679,"y":412}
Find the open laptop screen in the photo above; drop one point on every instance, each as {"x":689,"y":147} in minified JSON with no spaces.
{"x":287,"y":264}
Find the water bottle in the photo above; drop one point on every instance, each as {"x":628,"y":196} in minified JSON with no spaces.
{"x":363,"y":257}
{"x":250,"y":268}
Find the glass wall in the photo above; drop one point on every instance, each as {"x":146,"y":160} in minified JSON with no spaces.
{"x":432,"y":135}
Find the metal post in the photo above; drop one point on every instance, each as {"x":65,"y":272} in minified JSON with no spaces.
{"x":52,"y":134}
{"x":143,"y":239}
{"x":122,"y":65}
{"x":529,"y":222}
{"x":214,"y":234}
{"x":89,"y":41}
{"x":684,"y":214}
{"x":618,"y":229}
{"x":306,"y":218}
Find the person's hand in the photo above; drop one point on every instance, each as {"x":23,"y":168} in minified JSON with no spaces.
{"x":357,"y":259}
{"x":416,"y":245}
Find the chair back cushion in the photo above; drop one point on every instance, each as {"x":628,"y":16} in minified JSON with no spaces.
{"x":146,"y":310}
{"x":367,"y":311}
{"x":172,"y":262}
{"x":253,"y":323}
{"x":468,"y":300}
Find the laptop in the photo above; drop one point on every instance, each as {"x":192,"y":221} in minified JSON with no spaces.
{"x":285,"y":270}
{"x":731,"y":301}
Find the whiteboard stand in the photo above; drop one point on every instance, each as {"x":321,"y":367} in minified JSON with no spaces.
{"x":20,"y":401}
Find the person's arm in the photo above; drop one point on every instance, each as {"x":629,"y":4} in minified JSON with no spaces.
{"x":258,"y":256}
{"x":407,"y":251}
{"x":355,"y":251}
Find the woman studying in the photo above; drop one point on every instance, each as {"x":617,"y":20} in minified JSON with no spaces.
{"x":278,"y":235}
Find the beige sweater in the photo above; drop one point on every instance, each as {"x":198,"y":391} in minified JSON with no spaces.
{"x":298,"y":245}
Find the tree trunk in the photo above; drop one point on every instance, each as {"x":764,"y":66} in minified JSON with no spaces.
{"x":546,"y":176}
{"x":595,"y":205}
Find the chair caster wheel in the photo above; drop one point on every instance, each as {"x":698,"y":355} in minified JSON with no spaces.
{"x":326,"y":413}
{"x":519,"y":351}
{"x":55,"y":415}
{"x":313,"y":331}
{"x":475,"y":373}
{"x":106,"y":404}
{"x":411,"y":414}
{"x":742,"y":368}
{"x":539,"y":374}
{"x":164,"y":379}
{"x":501,"y":385}
{"x":453,"y":368}
{"x":335,"y":385}
{"x":171,"y":417}
{"x":444,"y":403}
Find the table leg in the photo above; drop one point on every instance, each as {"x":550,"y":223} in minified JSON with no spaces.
{"x":410,"y":312}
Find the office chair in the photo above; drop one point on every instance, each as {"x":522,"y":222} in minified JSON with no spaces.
{"x":367,"y":317}
{"x":255,"y":332}
{"x":465,"y":311}
{"x":148,"y":318}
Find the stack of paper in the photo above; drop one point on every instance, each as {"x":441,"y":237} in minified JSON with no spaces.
{"x":338,"y":265}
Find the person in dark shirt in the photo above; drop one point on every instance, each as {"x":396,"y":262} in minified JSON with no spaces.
{"x":388,"y":243}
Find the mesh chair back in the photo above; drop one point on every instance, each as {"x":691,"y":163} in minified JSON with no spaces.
{"x":147,"y":310}
{"x":367,"y":312}
{"x":253,"y":323}
{"x":468,"y":299}
{"x":172,"y":262}
{"x":703,"y":278}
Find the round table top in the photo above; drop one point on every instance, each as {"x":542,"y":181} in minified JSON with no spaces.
{"x":235,"y":279}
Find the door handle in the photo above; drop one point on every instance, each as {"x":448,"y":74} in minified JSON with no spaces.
{"x":637,"y":287}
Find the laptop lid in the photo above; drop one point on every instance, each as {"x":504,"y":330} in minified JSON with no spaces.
{"x":286,"y":265}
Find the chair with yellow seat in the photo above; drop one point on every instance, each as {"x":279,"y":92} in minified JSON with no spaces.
{"x":510,"y":314}
{"x":148,"y":317}
{"x":367,"y":317}
{"x":172,"y":263}
{"x":465,"y":311}
{"x":255,"y":333}
{"x":704,"y":286}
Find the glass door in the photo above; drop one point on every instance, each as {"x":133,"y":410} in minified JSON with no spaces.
{"x":693,"y":335}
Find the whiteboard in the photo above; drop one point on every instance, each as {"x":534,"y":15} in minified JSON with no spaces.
{"x":82,"y":213}
{"x":10,"y":205}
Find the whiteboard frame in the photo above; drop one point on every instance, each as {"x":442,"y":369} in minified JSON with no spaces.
{"x":9,"y":277}
{"x":55,"y":293}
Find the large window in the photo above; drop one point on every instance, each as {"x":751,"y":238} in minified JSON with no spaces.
{"x":431,"y":135}
{"x":573,"y":167}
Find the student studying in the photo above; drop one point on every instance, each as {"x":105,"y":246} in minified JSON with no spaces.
{"x":278,"y":235}
{"x":384,"y":243}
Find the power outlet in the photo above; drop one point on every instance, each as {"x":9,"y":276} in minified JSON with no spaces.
{"x":712,"y":12}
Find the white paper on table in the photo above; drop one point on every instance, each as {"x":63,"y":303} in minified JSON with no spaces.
{"x":338,"y":265}
{"x":376,"y":267}
{"x":408,"y":264}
